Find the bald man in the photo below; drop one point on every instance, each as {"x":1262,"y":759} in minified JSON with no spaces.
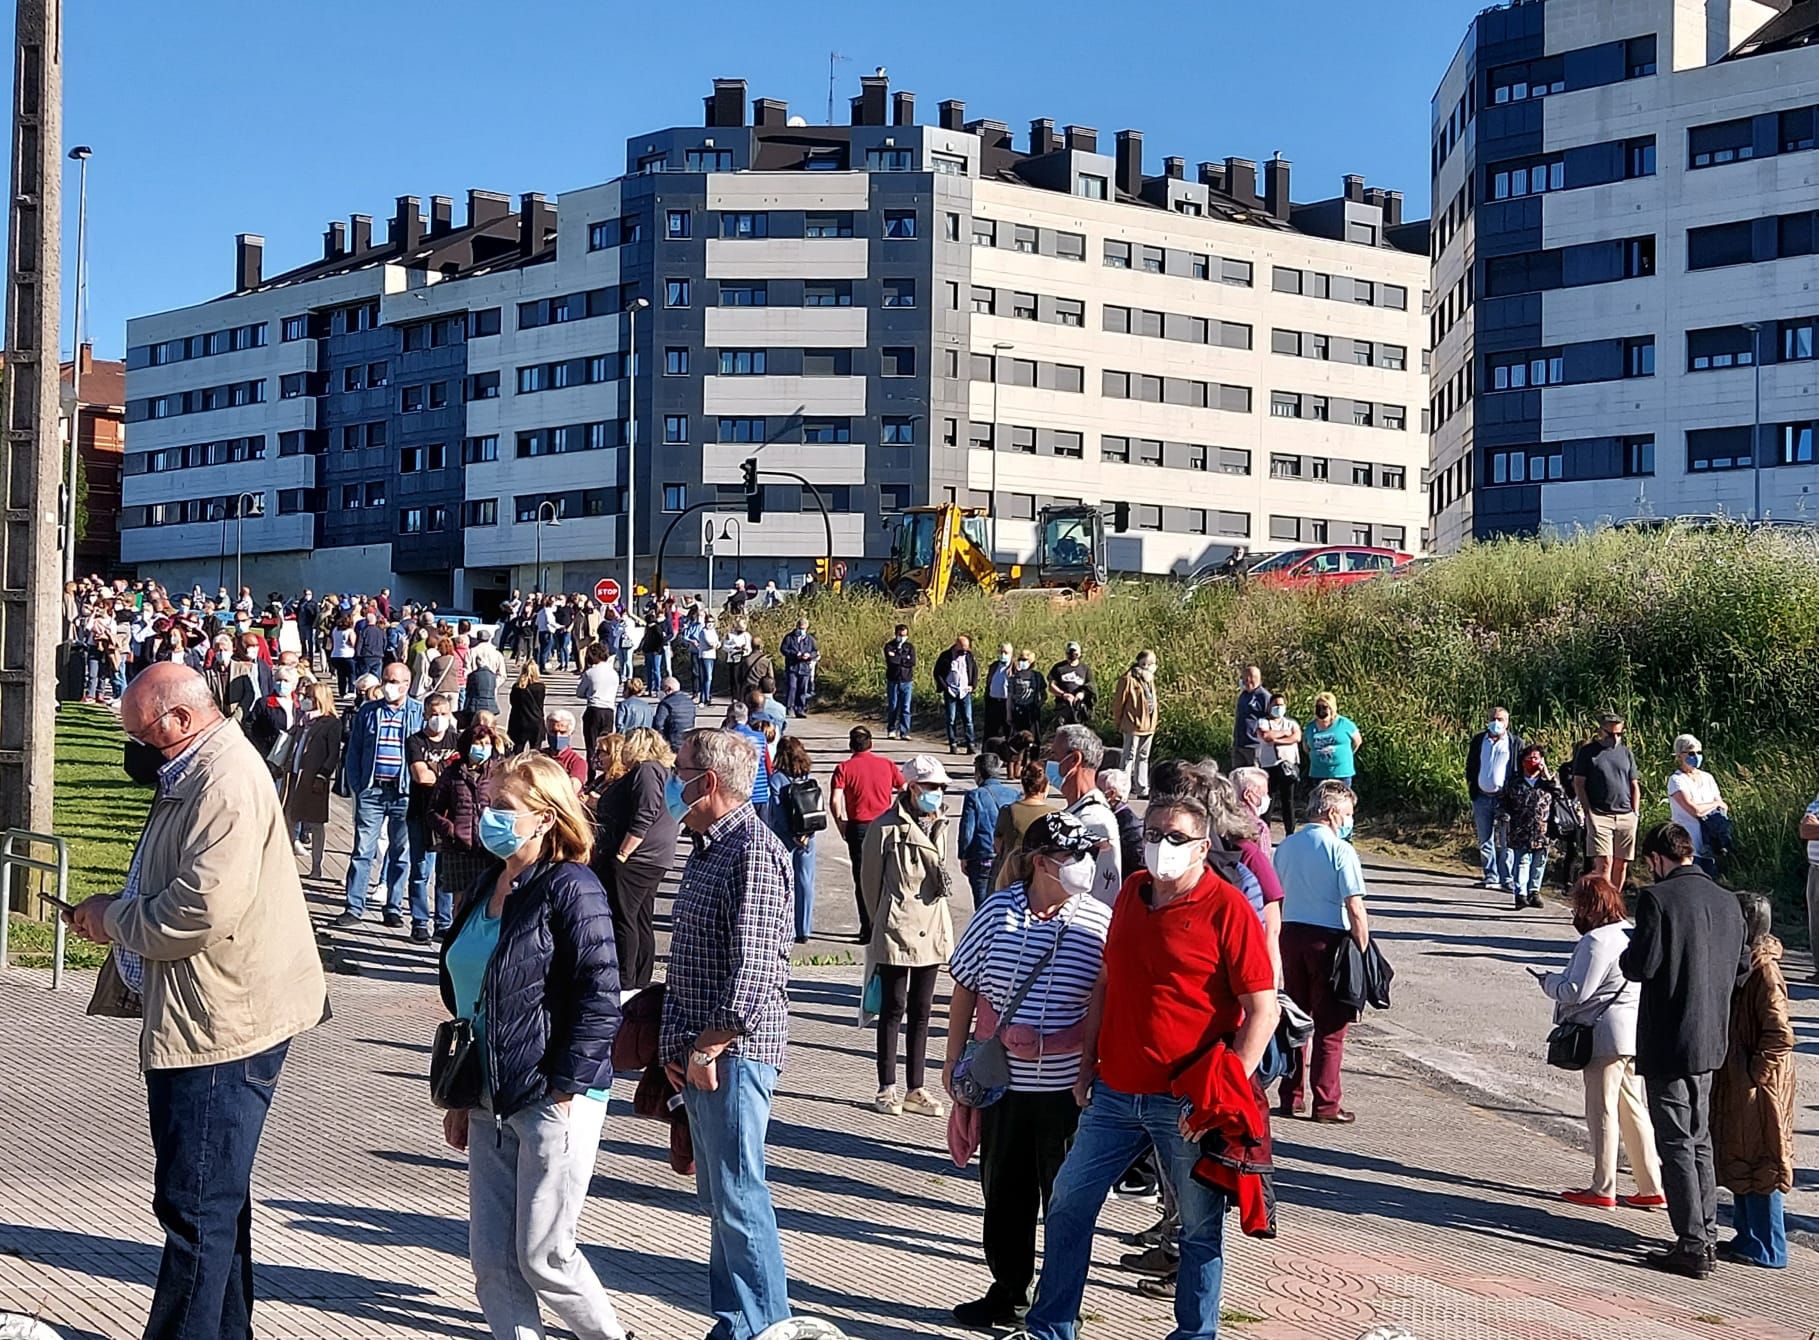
{"x":212,"y":949}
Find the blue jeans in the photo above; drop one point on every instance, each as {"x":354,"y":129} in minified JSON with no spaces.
{"x":1761,"y":1230}
{"x":655,"y":663}
{"x":423,"y":873}
{"x":1493,"y":827}
{"x":622,"y":659}
{"x":802,"y":861}
{"x":796,"y":690}
{"x":704,"y":679}
{"x":897,"y":707}
{"x":979,"y":875}
{"x":206,"y":1122}
{"x":387,"y":807}
{"x":959,"y":720}
{"x":1114,"y":1129}
{"x":747,"y":1289}
{"x":1530,"y":867}
{"x":368,"y":665}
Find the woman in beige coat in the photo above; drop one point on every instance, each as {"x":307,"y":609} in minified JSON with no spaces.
{"x":906,"y":883}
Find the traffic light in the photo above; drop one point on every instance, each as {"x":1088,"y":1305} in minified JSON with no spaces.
{"x":754,"y":504}
{"x":749,"y":469}
{"x":821,"y":572}
{"x":1121,"y":517}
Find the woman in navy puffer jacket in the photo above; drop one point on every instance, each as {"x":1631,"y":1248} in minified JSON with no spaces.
{"x":530,"y":960}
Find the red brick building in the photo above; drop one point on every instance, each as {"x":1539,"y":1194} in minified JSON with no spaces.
{"x":102,"y":446}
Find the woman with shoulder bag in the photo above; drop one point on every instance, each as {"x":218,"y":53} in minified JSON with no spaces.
{"x":314,"y":755}
{"x":1036,"y":945}
{"x":1593,"y":993}
{"x":794,"y":768}
{"x":525,"y":721}
{"x":530,"y":963}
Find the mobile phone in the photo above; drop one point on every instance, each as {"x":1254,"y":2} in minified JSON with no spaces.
{"x":1536,"y":973}
{"x":57,"y":902}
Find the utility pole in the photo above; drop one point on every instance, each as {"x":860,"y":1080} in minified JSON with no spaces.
{"x":73,"y":472}
{"x":833,"y":59}
{"x":31,"y":603}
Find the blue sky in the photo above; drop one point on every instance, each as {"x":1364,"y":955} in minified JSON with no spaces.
{"x":213,"y":117}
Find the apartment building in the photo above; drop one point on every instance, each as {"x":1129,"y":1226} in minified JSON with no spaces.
{"x":884,"y":313}
{"x":1623,"y":265}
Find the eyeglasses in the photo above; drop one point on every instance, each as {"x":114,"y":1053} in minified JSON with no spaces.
{"x":1169,"y":836}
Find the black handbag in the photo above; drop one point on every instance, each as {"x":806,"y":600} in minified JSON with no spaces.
{"x":1569,"y":1046}
{"x":454,"y":1066}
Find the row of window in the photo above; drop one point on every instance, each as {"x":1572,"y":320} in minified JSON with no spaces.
{"x":436,"y":333}
{"x":1359,"y":413}
{"x":196,"y":401}
{"x":224,"y":451}
{"x":1116,"y":385}
{"x":1320,"y":469}
{"x":1182,"y":264}
{"x":1339,"y":288}
{"x":1024,"y":440}
{"x":1729,"y":448}
{"x":192,"y":511}
{"x":894,"y":430}
{"x":1529,"y":369}
{"x":528,"y":507}
{"x":1751,"y":241}
{"x":182,"y":350}
{"x":1313,"y":530}
{"x":592,"y":370}
{"x":1022,"y":306}
{"x":1175,"y":326}
{"x":563,"y":439}
{"x":1793,"y":340}
{"x":1786,"y":132}
{"x":1631,"y":59}
{"x":1311,"y":344}
{"x":1175,"y":455}
{"x":1570,"y":267}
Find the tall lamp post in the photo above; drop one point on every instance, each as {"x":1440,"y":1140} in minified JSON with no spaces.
{"x":999,"y":350}
{"x":707,"y":548}
{"x":733,"y":531}
{"x":635,"y":306}
{"x":1755,"y":330}
{"x":258,"y":500}
{"x":80,"y":156}
{"x":555,"y":519}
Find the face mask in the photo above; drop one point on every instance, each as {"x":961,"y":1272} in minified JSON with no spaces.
{"x":901,"y":639}
{"x":558,"y":742}
{"x":673,"y":799}
{"x":289,"y":680}
{"x":1053,"y":769}
{"x":394,"y":693}
{"x":1531,"y":767}
{"x":1004,"y":658}
{"x":1494,"y":728}
{"x":1023,"y":665}
{"x":929,"y":802}
{"x":1168,"y":862}
{"x":479,"y":753}
{"x":1277,"y":713}
{"x":1262,"y":807}
{"x":1078,"y":876}
{"x":437,"y":724}
{"x":1694,"y":760}
{"x":499,"y":832}
{"x":1345,"y":830}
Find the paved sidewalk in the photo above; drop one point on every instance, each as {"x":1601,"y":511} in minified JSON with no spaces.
{"x":1435,"y":1211}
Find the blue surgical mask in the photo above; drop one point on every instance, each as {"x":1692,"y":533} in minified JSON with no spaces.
{"x":673,"y":800}
{"x":929,"y":802}
{"x":1277,"y":713}
{"x":1695,"y":760}
{"x":479,"y":753}
{"x":1345,"y":830}
{"x":558,"y":742}
{"x":1004,"y":658}
{"x":1494,"y":727}
{"x":499,"y":832}
{"x":1054,"y":773}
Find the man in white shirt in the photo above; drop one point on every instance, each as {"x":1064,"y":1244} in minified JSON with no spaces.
{"x":1488,"y":768}
{"x":1074,"y":755}
{"x":483,"y":655}
{"x":997,"y":693}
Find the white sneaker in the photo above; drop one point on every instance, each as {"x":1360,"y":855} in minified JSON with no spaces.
{"x":888,"y":1102}
{"x":300,"y":848}
{"x":922,"y":1104}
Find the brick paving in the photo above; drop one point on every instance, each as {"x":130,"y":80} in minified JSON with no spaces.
{"x":1435,"y":1211}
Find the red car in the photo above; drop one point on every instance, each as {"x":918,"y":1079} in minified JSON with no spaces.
{"x":1327,"y":565}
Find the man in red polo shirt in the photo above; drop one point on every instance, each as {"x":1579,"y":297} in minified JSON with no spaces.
{"x":1186,"y":967}
{"x":863,"y":787}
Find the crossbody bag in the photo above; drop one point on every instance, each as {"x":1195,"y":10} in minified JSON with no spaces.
{"x":982,"y":1075}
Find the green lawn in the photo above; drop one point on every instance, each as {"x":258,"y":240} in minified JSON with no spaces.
{"x":100,"y":811}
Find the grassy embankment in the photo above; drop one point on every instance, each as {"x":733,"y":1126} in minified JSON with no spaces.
{"x":100,"y":811}
{"x":1713,"y":632}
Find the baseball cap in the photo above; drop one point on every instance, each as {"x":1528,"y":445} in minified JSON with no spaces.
{"x":922,"y":769}
{"x":1058,"y":831}
{"x":1072,"y":647}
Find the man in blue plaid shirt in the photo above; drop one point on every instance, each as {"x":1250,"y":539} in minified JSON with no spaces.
{"x":726,"y":1019}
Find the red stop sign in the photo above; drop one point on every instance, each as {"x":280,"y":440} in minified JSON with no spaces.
{"x":606,"y":591}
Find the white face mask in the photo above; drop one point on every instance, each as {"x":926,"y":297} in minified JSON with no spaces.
{"x":394,"y":693}
{"x":1263,"y":807}
{"x":1168,"y":862}
{"x":1078,"y":875}
{"x":437,"y":724}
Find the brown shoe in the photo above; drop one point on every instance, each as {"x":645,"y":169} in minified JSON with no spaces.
{"x":1338,"y":1117}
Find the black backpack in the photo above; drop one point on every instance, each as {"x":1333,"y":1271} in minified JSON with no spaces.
{"x":804,"y":808}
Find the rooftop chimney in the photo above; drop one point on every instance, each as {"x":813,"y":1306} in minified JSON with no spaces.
{"x":1275,"y":187}
{"x":1392,"y":209}
{"x":249,"y":261}
{"x":953,"y":114}
{"x":1130,"y":162}
{"x":868,"y":107}
{"x":1354,"y":187}
{"x":992,"y":134}
{"x":1373,"y":195}
{"x":727,"y":106}
{"x":334,"y":241}
{"x":360,"y":235}
{"x":1241,"y":180}
{"x":770,"y":112}
{"x":1175,"y":169}
{"x":85,"y":357}
{"x":536,"y":216}
{"x":441,"y":215}
{"x":484,"y":207}
{"x":405,"y":228}
{"x":1213,"y":175}
{"x":1042,"y":137}
{"x":903,"y":109}
{"x":1083,"y":139}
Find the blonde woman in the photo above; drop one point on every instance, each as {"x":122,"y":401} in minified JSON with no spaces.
{"x":637,"y":846}
{"x":530,"y":959}
{"x":525,"y":723}
{"x":314,"y":756}
{"x":1332,"y":743}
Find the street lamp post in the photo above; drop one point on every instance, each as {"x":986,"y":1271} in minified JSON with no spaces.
{"x":1755,"y":330}
{"x":240,"y":530}
{"x":999,"y":349}
{"x":707,"y":547}
{"x":632,"y":309}
{"x":555,"y":519}
{"x":80,"y":155}
{"x":733,"y":531}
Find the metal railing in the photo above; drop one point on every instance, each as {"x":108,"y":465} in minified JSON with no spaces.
{"x":15,"y":854}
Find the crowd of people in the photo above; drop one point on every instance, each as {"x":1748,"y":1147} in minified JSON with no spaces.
{"x":1135,"y":998}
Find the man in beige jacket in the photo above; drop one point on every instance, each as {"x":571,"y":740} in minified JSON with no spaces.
{"x":212,"y":947}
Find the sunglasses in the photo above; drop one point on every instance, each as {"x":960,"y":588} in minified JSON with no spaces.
{"x":1169,"y":836}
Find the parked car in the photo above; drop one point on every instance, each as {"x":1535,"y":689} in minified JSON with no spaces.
{"x":480,"y":622}
{"x":1327,"y":565}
